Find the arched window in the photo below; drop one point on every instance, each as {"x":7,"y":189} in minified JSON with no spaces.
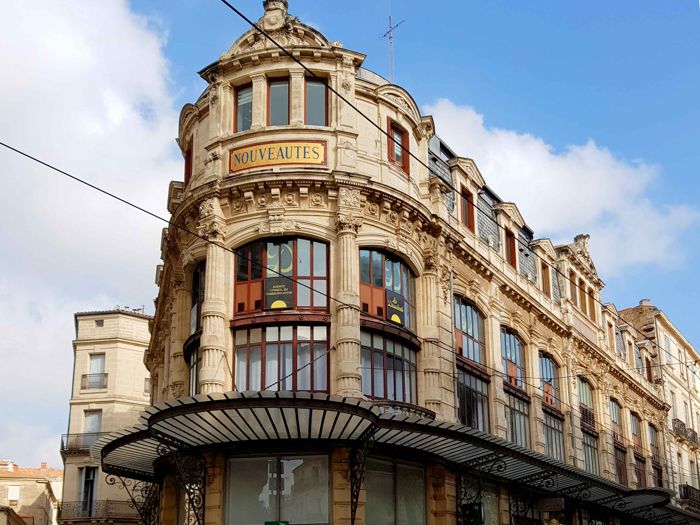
{"x":281,"y":358}
{"x":388,"y":368}
{"x":469,"y":331}
{"x":589,"y":435}
{"x":197,"y":297}
{"x":616,"y":420}
{"x":387,"y":288}
{"x":281,"y":274}
{"x":549,"y":372}
{"x":513,"y":355}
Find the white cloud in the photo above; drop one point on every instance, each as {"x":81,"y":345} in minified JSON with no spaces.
{"x":582,"y":189}
{"x":85,"y":87}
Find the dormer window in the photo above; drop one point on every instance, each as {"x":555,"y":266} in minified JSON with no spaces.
{"x":244,"y":108}
{"x":398,"y":146}
{"x":467,"y":209}
{"x":510,"y":248}
{"x":278,"y":102}
{"x":316,"y":103}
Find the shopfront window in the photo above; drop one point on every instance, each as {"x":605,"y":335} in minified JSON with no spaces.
{"x":469,"y":331}
{"x":388,"y":368}
{"x":472,"y":395}
{"x":278,"y":489}
{"x":281,"y":274}
{"x":281,"y":358}
{"x":387,"y":288}
{"x":395,"y":493}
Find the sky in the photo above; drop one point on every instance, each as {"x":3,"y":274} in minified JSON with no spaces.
{"x":585,"y":114}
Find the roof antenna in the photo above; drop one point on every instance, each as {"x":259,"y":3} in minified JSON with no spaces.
{"x":390,"y":34}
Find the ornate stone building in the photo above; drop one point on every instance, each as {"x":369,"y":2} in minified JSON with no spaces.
{"x":352,"y":327}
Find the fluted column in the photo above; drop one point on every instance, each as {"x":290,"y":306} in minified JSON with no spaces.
{"x":179,"y":325}
{"x":429,"y":360}
{"x":347,"y":326}
{"x":212,"y":374}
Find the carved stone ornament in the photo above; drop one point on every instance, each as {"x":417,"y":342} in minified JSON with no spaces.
{"x":211,"y":220}
{"x":262,"y":201}
{"x":316,"y":199}
{"x":290,"y":199}
{"x":177,"y":389}
{"x":276,"y":222}
{"x":445,"y":275}
{"x":348,"y":222}
{"x":430,"y":262}
{"x":350,"y":198}
{"x":346,"y":83}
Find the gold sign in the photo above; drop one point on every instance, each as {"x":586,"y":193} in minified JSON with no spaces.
{"x":278,"y":154}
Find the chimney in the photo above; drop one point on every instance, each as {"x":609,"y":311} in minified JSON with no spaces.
{"x":43,"y":465}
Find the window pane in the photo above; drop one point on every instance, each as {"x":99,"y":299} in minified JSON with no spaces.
{"x":256,"y":263}
{"x":379,"y":484}
{"x":279,"y":103}
{"x":319,"y":259}
{"x":271,"y":366}
{"x":286,"y":259}
{"x":377,"y":276}
{"x":303,"y":257}
{"x":286,"y":375}
{"x":364,"y":266}
{"x":320,"y":333}
{"x":366,"y":371}
{"x":303,"y":370}
{"x":252,"y":493}
{"x":389,"y":274}
{"x":244,"y":108}
{"x":242,"y":264}
{"x":315,"y":103}
{"x":320,"y":298}
{"x":241,"y":383}
{"x":410,"y":495}
{"x":320,"y":366}
{"x":255,"y":368}
{"x":303,"y":333}
{"x":304,"y":490}
{"x":304,"y":293}
{"x":273,"y":260}
{"x":398,"y":142}
{"x":378,"y":374}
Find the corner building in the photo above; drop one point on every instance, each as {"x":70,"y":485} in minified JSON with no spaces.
{"x":351,"y":338}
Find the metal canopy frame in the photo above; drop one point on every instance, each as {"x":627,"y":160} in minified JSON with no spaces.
{"x":188,"y":425}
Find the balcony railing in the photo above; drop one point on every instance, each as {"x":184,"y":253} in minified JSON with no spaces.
{"x":690,"y":497}
{"x":101,"y":509}
{"x":679,"y":428}
{"x":79,"y":443}
{"x":692,"y":436}
{"x":587,"y":417}
{"x":387,"y":406}
{"x":89,"y":381}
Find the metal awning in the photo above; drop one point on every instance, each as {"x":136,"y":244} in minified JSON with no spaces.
{"x":219,"y":420}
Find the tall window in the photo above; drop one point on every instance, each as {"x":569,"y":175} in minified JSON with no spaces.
{"x":197,"y":297}
{"x":316,"y":98}
{"x":591,"y":305}
{"x":518,"y":419}
{"x":638,"y":363}
{"x":549,"y":382}
{"x":585,"y":393}
{"x":398,"y":146}
{"x":244,"y":107}
{"x":278,"y":102}
{"x":621,"y":465}
{"x":278,"y":489}
{"x":636,"y":426}
{"x":96,"y":378}
{"x":194,"y":363}
{"x":188,"y":161}
{"x":87,"y":491}
{"x":573,"y":289}
{"x":92,"y":426}
{"x":282,"y":358}
{"x":472,"y":395}
{"x":590,"y":453}
{"x":546,"y":283}
{"x":553,"y":436}
{"x":388,"y":369}
{"x":654,"y":444}
{"x":281,"y":274}
{"x":466,"y":208}
{"x":513,"y":357}
{"x":395,"y":493}
{"x":640,"y":471}
{"x":510,"y":249}
{"x":616,"y":420}
{"x":469,"y":331}
{"x":387,"y":288}
{"x":582,"y":296}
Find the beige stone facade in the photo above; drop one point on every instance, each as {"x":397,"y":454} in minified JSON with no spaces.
{"x":30,"y":495}
{"x":314,"y":257}
{"x":111,"y":387}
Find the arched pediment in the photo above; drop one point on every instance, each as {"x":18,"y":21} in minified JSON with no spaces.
{"x":511,"y":209}
{"x":400,"y":98}
{"x":290,"y":33}
{"x":469,"y":167}
{"x":546,"y":246}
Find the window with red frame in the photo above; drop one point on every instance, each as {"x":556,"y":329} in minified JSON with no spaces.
{"x":513,"y":355}
{"x":469,"y":331}
{"x":510,"y":248}
{"x":616,"y":420}
{"x":281,"y":274}
{"x":550,"y":383}
{"x":466,"y":209}
{"x":387,"y":288}
{"x":388,"y":368}
{"x":398,"y":146}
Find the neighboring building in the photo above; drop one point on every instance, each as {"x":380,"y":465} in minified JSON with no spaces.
{"x":30,"y":494}
{"x":110,"y":389}
{"x":681,"y":390}
{"x":353,"y":338}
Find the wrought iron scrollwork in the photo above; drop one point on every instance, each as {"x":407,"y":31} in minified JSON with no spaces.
{"x":520,"y":505}
{"x":470,"y":488}
{"x":191,"y":473}
{"x":358,"y":456}
{"x":540,"y":480}
{"x":579,"y":492}
{"x":144,"y":497}
{"x":618,"y":501}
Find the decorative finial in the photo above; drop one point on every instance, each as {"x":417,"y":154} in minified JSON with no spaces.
{"x":275,"y":4}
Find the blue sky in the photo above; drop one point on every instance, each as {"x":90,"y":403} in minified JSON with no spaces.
{"x":583,"y":113}
{"x":622,"y":73}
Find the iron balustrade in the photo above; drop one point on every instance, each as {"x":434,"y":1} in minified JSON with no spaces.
{"x":690,"y":497}
{"x":79,"y":443}
{"x":89,"y":381}
{"x":100,"y":509}
{"x":692,"y":436}
{"x":387,"y":406}
{"x":679,"y":428}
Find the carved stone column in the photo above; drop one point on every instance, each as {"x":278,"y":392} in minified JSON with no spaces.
{"x":259,"y":101}
{"x":296,"y":86}
{"x":212,"y":374}
{"x":179,"y":324}
{"x":429,"y":359}
{"x":347,"y":326}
